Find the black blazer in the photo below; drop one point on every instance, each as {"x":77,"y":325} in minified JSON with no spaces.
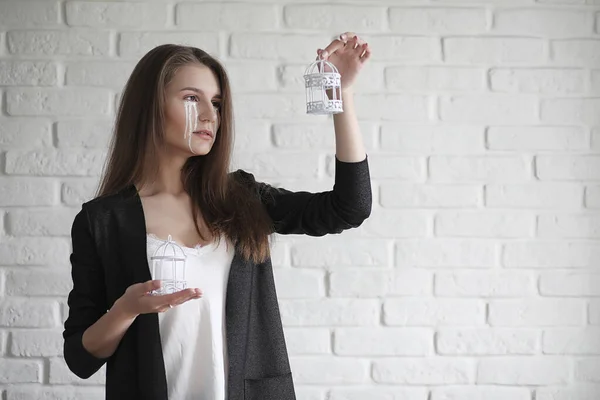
{"x":109,"y":255}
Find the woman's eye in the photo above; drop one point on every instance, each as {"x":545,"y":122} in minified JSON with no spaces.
{"x":191,"y":96}
{"x":217,"y":106}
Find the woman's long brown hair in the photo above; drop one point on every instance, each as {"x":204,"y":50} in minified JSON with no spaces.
{"x":225,"y":205}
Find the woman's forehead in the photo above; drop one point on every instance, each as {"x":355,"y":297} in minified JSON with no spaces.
{"x":197,"y":77}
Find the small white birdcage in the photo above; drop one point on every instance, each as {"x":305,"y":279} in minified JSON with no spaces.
{"x":323,"y":88}
{"x":168,"y":266}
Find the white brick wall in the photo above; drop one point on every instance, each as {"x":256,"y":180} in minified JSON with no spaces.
{"x":476,"y":276}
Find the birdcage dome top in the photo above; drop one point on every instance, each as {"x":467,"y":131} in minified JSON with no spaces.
{"x":169,"y":250}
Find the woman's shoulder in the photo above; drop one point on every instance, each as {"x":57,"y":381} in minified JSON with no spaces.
{"x":108,"y":202}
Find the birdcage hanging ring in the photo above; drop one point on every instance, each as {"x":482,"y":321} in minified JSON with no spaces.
{"x":323,"y":88}
{"x":168,"y":265}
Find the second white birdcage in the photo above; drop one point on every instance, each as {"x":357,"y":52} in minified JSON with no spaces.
{"x":168,"y":266}
{"x":323,"y":88}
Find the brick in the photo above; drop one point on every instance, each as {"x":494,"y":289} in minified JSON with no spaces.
{"x":592,"y":197}
{"x":20,"y":371}
{"x":405,"y":195}
{"x":264,"y":76}
{"x":393,"y":224}
{"x":38,"y":283}
{"x":101,"y":74}
{"x":466,"y":253}
{"x":310,"y":393}
{"x":432,"y":312}
{"x":580,"y":52}
{"x":335,"y":252}
{"x":299,"y":283}
{"x":27,"y":192}
{"x":496,"y":51}
{"x":18,"y":133}
{"x":573,"y":391}
{"x":416,"y":50}
{"x":34,"y":251}
{"x":227,"y":17}
{"x":28,"y":73}
{"x":585,"y":226}
{"x":29,"y":13}
{"x":51,"y":102}
{"x":54,"y":393}
{"x":59,"y":43}
{"x":61,"y":375}
{"x":47,"y":222}
{"x":36,"y":343}
{"x":498,"y":109}
{"x":479,"y":168}
{"x":359,"y":283}
{"x":434,"y":79}
{"x":86,"y":134}
{"x":400,"y":138}
{"x":317,"y":370}
{"x":575,"y":167}
{"x":28,"y":313}
{"x":423,"y":371}
{"x":545,"y":254}
{"x":315,"y":136}
{"x":533,"y":138}
{"x":485,"y":284}
{"x":534,"y":195}
{"x":487,"y":341}
{"x":308,"y":341}
{"x":374,"y":342}
{"x":330,"y":312}
{"x":274,"y":46}
{"x":409,"y":108}
{"x":595,"y":81}
{"x":572,"y":283}
{"x":484,"y":224}
{"x":542,"y":81}
{"x":269,"y":106}
{"x":411,"y":282}
{"x":55,"y":162}
{"x":75,"y":192}
{"x":594,"y":312}
{"x":335,"y":17}
{"x":455,"y":21}
{"x":543,"y":23}
{"x":399,"y":168}
{"x":136,"y":44}
{"x":570,"y":111}
{"x":546,"y":370}
{"x":377,"y":393}
{"x":116,"y":15}
{"x":278,"y":165}
{"x":587,"y":370}
{"x":536,"y":312}
{"x":576,"y":341}
{"x":480,"y":392}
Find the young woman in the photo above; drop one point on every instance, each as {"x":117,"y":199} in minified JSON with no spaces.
{"x":167,"y":176}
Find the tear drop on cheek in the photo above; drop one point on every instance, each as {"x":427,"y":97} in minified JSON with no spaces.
{"x":191,"y":122}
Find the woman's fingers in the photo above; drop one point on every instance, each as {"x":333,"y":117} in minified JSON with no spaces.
{"x":161,"y":303}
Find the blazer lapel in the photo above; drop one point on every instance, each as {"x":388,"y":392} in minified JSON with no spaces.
{"x":151,"y":368}
{"x":152,"y":381}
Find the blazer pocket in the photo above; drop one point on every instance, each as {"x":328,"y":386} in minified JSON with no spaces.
{"x":280,"y":387}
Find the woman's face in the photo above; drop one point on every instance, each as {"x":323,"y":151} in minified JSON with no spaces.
{"x":193,"y":99}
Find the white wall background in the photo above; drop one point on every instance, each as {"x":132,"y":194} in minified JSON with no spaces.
{"x":476,"y":276}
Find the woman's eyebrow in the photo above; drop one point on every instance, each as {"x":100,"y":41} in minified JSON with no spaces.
{"x":200,"y":91}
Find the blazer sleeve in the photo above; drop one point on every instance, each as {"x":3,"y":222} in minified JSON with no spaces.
{"x":87,"y":299}
{"x":318,"y":214}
